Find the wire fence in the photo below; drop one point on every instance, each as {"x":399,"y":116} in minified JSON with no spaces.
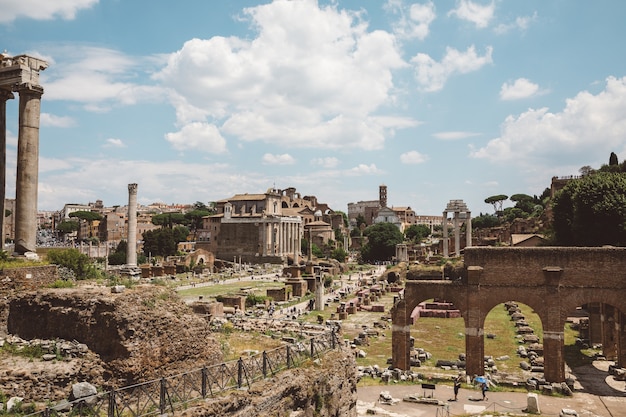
{"x":168,"y":394}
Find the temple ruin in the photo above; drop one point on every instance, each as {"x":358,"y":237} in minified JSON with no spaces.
{"x":20,"y":74}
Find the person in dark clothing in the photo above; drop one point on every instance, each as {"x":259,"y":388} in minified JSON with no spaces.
{"x":457,"y":384}
{"x":484,"y":387}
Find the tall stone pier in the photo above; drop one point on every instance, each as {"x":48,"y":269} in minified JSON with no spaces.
{"x":21,"y":74}
{"x":131,"y":251}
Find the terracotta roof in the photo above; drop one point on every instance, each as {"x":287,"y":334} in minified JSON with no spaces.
{"x":518,"y":238}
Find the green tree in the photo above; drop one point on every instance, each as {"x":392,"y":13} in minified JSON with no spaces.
{"x":484,"y":221}
{"x":338,"y":235}
{"x":613,"y":159}
{"x":360,"y":220}
{"x":339,"y":254}
{"x":118,"y":257}
{"x":169,"y":219}
{"x":591,"y":211}
{"x":381,"y":243}
{"x":88,"y":216}
{"x":72,"y":259}
{"x":417,"y":232}
{"x":194,"y":218}
{"x":524,"y":202}
{"x":496,"y":201}
{"x":67,"y":226}
{"x":163,"y":242}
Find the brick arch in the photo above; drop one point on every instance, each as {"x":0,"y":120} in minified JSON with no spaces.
{"x":552,"y":281}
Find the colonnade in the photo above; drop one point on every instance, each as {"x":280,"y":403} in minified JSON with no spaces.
{"x":281,"y":236}
{"x":460,"y":212}
{"x":21,"y":74}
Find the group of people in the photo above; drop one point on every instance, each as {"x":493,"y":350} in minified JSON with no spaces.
{"x":484,"y":386}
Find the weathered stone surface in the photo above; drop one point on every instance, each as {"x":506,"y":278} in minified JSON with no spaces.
{"x":326,"y":390}
{"x":130,"y":333}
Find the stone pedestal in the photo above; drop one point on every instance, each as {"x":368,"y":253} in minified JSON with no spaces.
{"x":532,"y":403}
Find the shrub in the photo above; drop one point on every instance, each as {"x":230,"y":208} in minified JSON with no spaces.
{"x":74,"y":260}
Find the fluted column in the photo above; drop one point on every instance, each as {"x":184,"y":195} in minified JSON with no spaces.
{"x":27,"y":168}
{"x":131,"y":252}
{"x":4,"y":96}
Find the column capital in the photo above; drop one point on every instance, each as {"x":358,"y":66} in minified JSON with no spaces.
{"x":6,"y":94}
{"x":29,"y":88}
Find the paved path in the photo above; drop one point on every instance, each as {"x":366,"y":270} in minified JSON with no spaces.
{"x":469,"y":401}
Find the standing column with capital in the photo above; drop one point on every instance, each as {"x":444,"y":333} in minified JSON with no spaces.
{"x":27,"y":168}
{"x":4,"y":96}
{"x":131,"y":251}
{"x":21,"y":74}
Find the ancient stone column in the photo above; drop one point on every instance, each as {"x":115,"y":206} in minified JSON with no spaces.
{"x":554,"y":368}
{"x":445,"y":234}
{"x":4,"y":96}
{"x":400,"y":336}
{"x":27,"y":168}
{"x":468,"y":229}
{"x":131,"y":252}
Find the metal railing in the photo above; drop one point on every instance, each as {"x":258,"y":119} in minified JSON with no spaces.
{"x":167,"y":394}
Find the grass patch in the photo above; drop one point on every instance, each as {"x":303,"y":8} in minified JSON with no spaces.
{"x":235,"y":343}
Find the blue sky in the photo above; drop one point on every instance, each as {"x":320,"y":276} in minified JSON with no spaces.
{"x":198,"y":100}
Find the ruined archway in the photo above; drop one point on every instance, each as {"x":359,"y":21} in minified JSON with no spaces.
{"x":553,"y":281}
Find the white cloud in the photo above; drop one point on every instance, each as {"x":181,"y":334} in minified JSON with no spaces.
{"x":114,"y":143}
{"x":584,"y":133}
{"x":109,"y":76}
{"x":520,"y":22}
{"x":284,"y":159}
{"x":413,"y":157}
{"x":473,"y":12}
{"x":311,"y":75}
{"x":363,"y":169}
{"x":417,"y":23}
{"x":455,"y":135}
{"x":432,"y":75}
{"x":72,"y":181}
{"x":328,"y":162}
{"x":42,"y":9}
{"x":199,"y":136}
{"x":519,"y":89}
{"x":50,"y":120}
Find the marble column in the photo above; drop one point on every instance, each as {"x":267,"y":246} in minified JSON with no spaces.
{"x":4,"y":96}
{"x":27,"y":168}
{"x":131,"y":252}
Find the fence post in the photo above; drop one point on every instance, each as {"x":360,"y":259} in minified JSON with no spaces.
{"x":333,"y":341}
{"x":239,"y":373}
{"x":264,"y":364}
{"x":312,"y":347}
{"x":162,"y":394}
{"x":203,"y":372}
{"x":111,"y":410}
{"x":288,"y":356}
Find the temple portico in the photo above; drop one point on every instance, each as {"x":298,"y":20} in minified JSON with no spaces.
{"x":21,"y":74}
{"x":460,"y":214}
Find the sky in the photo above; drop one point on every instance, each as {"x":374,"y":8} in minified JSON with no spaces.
{"x":199,"y":100}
